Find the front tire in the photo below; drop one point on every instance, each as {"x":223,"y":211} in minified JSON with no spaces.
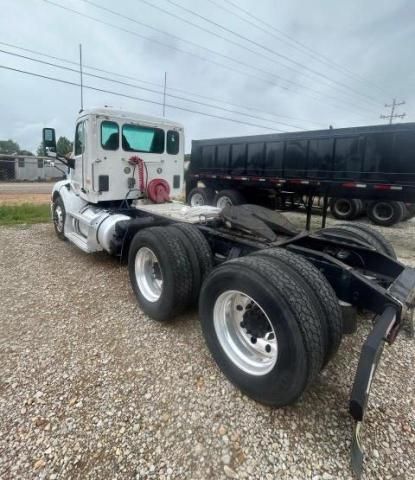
{"x":59,"y":217}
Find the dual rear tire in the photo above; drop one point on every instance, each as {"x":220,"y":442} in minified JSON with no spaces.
{"x":386,"y":213}
{"x":206,"y":196}
{"x":268,"y":330}
{"x":166,"y":267}
{"x":380,"y":212}
{"x":363,"y":234}
{"x":346,"y":208}
{"x":270,"y":319}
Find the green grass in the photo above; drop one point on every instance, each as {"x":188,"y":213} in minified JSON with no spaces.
{"x":24,"y":213}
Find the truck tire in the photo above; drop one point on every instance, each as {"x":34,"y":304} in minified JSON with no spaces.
{"x":345,"y":208}
{"x":331,"y":314}
{"x":228,"y":198}
{"x":410,"y":207}
{"x":194,"y":262}
{"x":263,"y":333}
{"x":349,"y":232}
{"x":160,"y":273}
{"x":200,"y":196}
{"x":201,"y":246}
{"x":385,"y":213}
{"x":59,"y":217}
{"x":374,"y":238}
{"x":360,"y":207}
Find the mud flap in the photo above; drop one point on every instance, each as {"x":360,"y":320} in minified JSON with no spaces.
{"x":357,"y":452}
{"x":368,"y":362}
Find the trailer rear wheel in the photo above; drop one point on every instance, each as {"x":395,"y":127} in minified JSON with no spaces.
{"x":374,"y":238}
{"x":345,"y":208}
{"x":200,"y":196}
{"x":59,"y":216}
{"x":321,"y":290}
{"x":227,"y":198}
{"x":160,"y":273}
{"x":385,"y":213}
{"x":261,"y":330}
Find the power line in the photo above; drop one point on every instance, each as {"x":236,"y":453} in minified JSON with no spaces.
{"x":204,"y":58}
{"x":215,"y":34}
{"x":393,"y":115}
{"x":145,"y":100}
{"x":129,"y":77}
{"x":297,"y":44}
{"x":146,"y":89}
{"x":266,"y":48}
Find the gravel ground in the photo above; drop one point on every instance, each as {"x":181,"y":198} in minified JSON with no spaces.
{"x":92,"y":388}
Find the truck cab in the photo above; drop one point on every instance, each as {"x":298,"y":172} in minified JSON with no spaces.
{"x":105,"y":142}
{"x":119,"y":159}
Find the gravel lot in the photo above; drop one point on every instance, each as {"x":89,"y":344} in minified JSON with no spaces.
{"x":92,"y":388}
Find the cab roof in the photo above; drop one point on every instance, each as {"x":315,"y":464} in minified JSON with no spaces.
{"x":124,"y":115}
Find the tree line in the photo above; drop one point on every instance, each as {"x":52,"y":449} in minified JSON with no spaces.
{"x":9,"y":147}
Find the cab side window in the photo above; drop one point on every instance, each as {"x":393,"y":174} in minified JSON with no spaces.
{"x":110,"y":135}
{"x":173,"y":142}
{"x":80,"y":139}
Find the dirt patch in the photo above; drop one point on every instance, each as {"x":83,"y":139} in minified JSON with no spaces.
{"x":19,"y":198}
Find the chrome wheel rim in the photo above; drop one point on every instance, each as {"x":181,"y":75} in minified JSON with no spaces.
{"x":197,"y":200}
{"x":58,"y":218}
{"x":245,"y":333}
{"x":224,"y":202}
{"x":383,"y":211}
{"x":148,"y":274}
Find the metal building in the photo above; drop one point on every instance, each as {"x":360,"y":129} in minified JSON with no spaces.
{"x":29,"y":168}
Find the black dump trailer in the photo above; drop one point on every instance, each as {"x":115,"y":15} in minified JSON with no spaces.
{"x":361,"y":168}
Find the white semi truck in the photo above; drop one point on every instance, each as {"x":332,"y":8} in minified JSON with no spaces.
{"x":274,"y":302}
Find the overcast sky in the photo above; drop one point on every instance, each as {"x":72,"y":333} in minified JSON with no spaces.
{"x":322,"y":62}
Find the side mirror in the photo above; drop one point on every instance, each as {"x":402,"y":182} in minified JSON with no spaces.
{"x":71,"y":163}
{"x":49,"y":140}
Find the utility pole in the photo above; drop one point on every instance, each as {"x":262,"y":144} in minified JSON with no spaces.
{"x":80,"y":71}
{"x":392,"y":115}
{"x":164,"y":94}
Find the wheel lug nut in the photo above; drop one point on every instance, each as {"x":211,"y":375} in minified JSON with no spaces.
{"x":268,"y":348}
{"x":239,"y":308}
{"x":253,"y":339}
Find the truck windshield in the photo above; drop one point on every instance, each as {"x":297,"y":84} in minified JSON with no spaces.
{"x":142,"y":139}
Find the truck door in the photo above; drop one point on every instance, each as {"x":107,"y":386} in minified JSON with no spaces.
{"x":78,"y":174}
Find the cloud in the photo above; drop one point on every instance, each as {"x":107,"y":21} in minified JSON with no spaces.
{"x":373,"y":40}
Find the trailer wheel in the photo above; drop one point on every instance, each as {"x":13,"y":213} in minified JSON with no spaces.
{"x":345,"y":208}
{"x":59,"y":217}
{"x":360,"y":207}
{"x":385,"y":213}
{"x":200,"y":196}
{"x":314,"y":281}
{"x":160,"y":273}
{"x":373,"y":237}
{"x":262,"y":331}
{"x":227,"y":198}
{"x":410,"y":207}
{"x":201,"y":246}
